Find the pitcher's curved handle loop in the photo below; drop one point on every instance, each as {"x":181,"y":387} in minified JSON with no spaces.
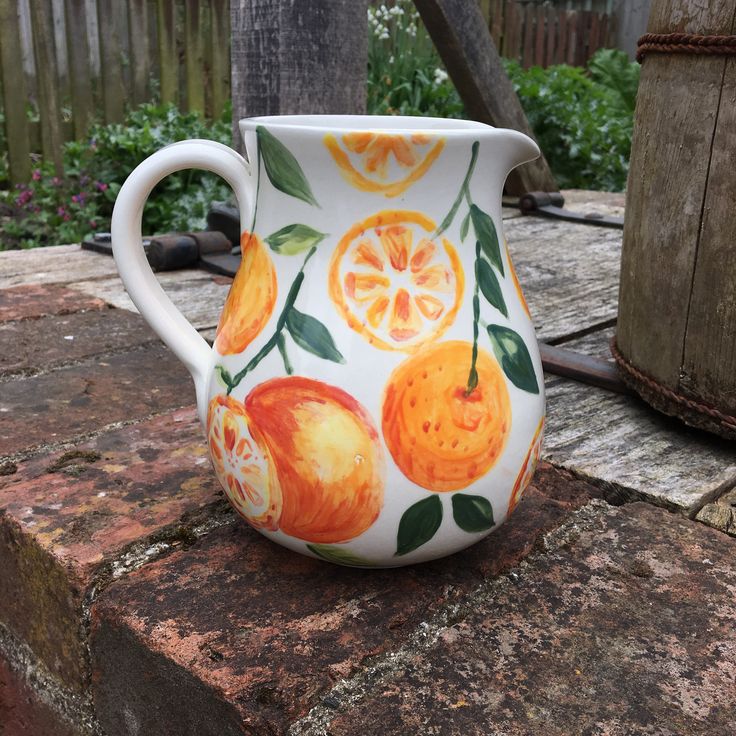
{"x":127,"y":246}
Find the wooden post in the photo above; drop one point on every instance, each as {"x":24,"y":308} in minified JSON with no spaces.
{"x":219,"y":62}
{"x":298,"y":57}
{"x":677,"y":311}
{"x":49,"y":107}
{"x":169,"y":63}
{"x":194,"y":56}
{"x":467,"y":49}
{"x":113,"y":91}
{"x":79,"y":69}
{"x":139,"y":54}
{"x":14,"y":90}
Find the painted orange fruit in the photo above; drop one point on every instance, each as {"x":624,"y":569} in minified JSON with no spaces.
{"x":440,"y":436}
{"x":526,"y":473}
{"x":515,"y":279}
{"x":386,"y":163}
{"x":244,"y":468}
{"x":300,"y":456}
{"x":251,"y":298}
{"x":393,"y":284}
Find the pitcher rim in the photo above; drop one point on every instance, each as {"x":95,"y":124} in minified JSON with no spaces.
{"x":374,"y":123}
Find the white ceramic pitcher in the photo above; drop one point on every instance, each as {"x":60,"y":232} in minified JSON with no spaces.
{"x":374,"y":396}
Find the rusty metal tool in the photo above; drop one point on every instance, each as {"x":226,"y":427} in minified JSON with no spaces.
{"x":552,"y":204}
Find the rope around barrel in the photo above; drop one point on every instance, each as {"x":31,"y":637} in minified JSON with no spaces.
{"x":684,"y":43}
{"x":726,"y":421}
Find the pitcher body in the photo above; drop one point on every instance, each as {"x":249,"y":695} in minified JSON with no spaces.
{"x":374,"y":395}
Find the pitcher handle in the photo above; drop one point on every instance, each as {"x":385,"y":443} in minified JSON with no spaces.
{"x":127,"y":246}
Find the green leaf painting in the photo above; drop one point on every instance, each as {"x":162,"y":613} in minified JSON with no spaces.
{"x":309,"y":333}
{"x":485,"y":232}
{"x":282,"y":168}
{"x":418,"y":525}
{"x":472,"y":513}
{"x":513,"y":355}
{"x":338,"y":555}
{"x":464,"y":226}
{"x":294,"y":239}
{"x":489,"y":285}
{"x":223,"y":377}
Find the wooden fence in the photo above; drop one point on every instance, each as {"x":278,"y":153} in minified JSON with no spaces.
{"x":542,"y":34}
{"x":75,"y":61}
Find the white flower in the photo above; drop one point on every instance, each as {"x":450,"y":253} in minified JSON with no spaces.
{"x":396,"y":10}
{"x":440,"y":75}
{"x":411,"y":29}
{"x":384,"y":36}
{"x":391,"y":59}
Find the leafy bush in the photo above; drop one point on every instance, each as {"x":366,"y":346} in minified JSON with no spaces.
{"x":582,"y":121}
{"x":52,"y":210}
{"x":405,"y":74}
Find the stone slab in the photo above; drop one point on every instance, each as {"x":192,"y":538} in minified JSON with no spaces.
{"x":238,"y":635}
{"x":198,"y":295}
{"x":569,"y":273}
{"x":48,"y":342}
{"x":32,"y":301}
{"x":628,"y":448}
{"x":23,"y":713}
{"x":721,"y":514}
{"x":71,"y":521}
{"x":55,"y":407}
{"x":624,"y":626}
{"x":57,"y":264}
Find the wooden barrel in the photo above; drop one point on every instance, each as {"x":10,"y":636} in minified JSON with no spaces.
{"x":676,"y":332}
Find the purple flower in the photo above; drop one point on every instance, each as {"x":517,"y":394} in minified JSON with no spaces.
{"x":101,"y":186}
{"x":61,"y":211}
{"x":36,"y":175}
{"x":78,"y":198}
{"x":56,"y":181}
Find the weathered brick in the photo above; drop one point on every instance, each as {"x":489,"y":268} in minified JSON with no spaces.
{"x":31,"y":301}
{"x":253,"y":633}
{"x":625,"y":626}
{"x":23,"y":713}
{"x":66,"y":517}
{"x":44,"y":343}
{"x":58,"y":406}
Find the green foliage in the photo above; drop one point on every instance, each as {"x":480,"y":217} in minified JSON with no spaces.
{"x":405,"y":74}
{"x":583,"y":122}
{"x":51,"y":210}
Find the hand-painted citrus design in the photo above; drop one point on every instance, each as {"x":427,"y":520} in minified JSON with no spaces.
{"x":243,"y":468}
{"x":391,"y":162}
{"x":393,"y":284}
{"x":442,"y":436}
{"x":515,"y":279}
{"x":325,"y":452}
{"x":251,"y":298}
{"x":528,"y":467}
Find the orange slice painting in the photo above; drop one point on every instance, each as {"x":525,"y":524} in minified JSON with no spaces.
{"x":386,"y":163}
{"x":526,"y":473}
{"x":393,"y":284}
{"x":244,"y":470}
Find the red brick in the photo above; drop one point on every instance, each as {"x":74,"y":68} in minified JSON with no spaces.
{"x":626,"y":628}
{"x":66,"y":517}
{"x":254,"y":633}
{"x":58,"y":406}
{"x":40,"y":344}
{"x":39,"y":300}
{"x":23,"y":713}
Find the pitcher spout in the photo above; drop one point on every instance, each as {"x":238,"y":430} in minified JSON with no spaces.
{"x":520,"y":149}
